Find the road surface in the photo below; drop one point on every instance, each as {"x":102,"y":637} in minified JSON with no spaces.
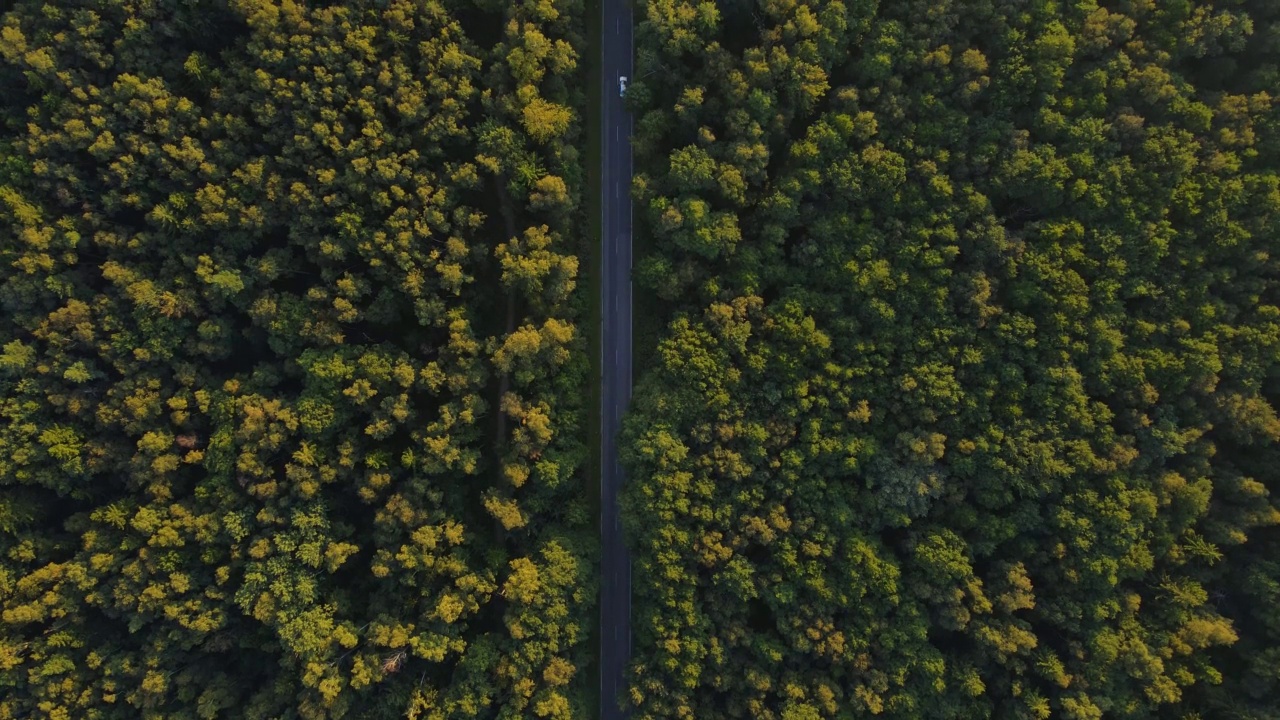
{"x":615,"y":348}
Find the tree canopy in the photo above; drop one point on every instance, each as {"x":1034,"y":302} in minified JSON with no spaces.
{"x":966,"y":403}
{"x":291,"y":381}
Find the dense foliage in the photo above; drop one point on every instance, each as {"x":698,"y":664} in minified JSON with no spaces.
{"x":966,"y":407}
{"x":291,"y":386}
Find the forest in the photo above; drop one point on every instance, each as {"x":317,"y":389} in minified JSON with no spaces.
{"x":965,"y":405}
{"x":292,"y":417}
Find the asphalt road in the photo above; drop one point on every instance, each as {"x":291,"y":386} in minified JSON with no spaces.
{"x":615,"y":347}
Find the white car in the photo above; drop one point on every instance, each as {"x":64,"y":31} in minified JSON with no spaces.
{"x":622,"y":85}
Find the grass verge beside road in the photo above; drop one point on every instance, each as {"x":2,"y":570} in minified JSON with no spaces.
{"x":648,"y":310}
